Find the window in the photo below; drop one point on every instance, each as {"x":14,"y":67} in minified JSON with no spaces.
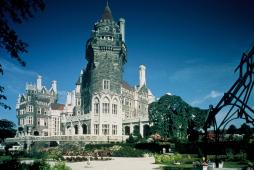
{"x":78,"y":102}
{"x":105,"y":129}
{"x":29,"y":98}
{"x":114,"y":109}
{"x":39,"y":111}
{"x":106,"y":85}
{"x":114,"y":129}
{"x":30,"y":120}
{"x":96,"y":106}
{"x":96,"y":129}
{"x":30,"y":108}
{"x":105,"y":107}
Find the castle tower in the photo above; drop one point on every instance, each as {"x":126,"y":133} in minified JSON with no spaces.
{"x":106,"y":55}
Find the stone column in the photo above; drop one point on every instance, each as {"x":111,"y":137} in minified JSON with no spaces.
{"x":131,"y":129}
{"x":141,"y":129}
{"x":80,"y":129}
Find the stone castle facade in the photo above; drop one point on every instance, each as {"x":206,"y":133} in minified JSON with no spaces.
{"x":102,"y":102}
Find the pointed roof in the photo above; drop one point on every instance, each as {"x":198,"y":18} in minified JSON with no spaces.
{"x":107,"y":15}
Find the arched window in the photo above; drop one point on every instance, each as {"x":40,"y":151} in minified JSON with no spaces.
{"x":76,"y":129}
{"x":127,"y":130}
{"x":96,"y":106}
{"x":105,"y":105}
{"x":84,"y":127}
{"x":114,"y":107}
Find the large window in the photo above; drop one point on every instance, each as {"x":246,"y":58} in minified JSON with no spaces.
{"x":105,"y":105}
{"x":96,"y":106}
{"x":114,"y":109}
{"x":96,"y":129}
{"x":105,"y":129}
{"x":106,"y":84}
{"x":114,"y":129}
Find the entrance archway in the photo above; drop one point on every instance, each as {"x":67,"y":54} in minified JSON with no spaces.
{"x":84,"y":127}
{"x":76,"y":129}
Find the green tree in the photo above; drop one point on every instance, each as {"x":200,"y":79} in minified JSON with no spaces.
{"x":171,"y":115}
{"x":246,"y":131}
{"x":14,"y":11}
{"x":7,"y":129}
{"x":232,"y":130}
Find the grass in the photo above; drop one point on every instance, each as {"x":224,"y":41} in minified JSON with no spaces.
{"x":234,"y":165}
{"x":4,"y":158}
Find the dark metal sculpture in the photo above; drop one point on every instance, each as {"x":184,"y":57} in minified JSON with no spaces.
{"x":236,"y":99}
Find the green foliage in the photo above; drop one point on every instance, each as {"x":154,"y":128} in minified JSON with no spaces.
{"x":36,"y":151}
{"x":15,"y":164}
{"x":128,"y":151}
{"x":14,"y":12}
{"x":60,"y":166}
{"x":230,"y":154}
{"x":171,"y":159}
{"x":232,"y":130}
{"x":55,"y":154}
{"x":171,"y":115}
{"x":131,"y":139}
{"x":7,"y":129}
{"x":134,"y":139}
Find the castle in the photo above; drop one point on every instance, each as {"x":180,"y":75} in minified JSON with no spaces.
{"x":102,"y":103}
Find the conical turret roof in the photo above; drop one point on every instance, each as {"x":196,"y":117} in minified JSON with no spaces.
{"x":107,"y":15}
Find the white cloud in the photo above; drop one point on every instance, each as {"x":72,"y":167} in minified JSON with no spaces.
{"x":15,"y":77}
{"x":212,"y":95}
{"x":9,"y":67}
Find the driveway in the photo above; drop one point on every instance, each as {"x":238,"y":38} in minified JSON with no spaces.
{"x":117,"y":163}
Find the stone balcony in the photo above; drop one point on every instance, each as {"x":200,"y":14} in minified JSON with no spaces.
{"x":71,"y":138}
{"x":77,"y":118}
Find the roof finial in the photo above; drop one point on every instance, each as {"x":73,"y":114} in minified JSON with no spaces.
{"x":107,"y":13}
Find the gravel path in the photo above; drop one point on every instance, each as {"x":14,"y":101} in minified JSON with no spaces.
{"x":117,"y":164}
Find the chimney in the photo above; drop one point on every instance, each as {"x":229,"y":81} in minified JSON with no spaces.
{"x":39,"y":83}
{"x":142,"y":75}
{"x":68,"y":99}
{"x":122,"y":28}
{"x":73,"y":98}
{"x":54,"y":85}
{"x":18,"y":102}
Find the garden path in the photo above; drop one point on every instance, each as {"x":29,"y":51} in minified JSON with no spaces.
{"x":117,"y":163}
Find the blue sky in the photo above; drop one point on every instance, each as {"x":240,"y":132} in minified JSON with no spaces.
{"x":190,"y":48}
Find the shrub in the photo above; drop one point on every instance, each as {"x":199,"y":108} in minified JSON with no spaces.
{"x":128,"y":151}
{"x":60,"y":166}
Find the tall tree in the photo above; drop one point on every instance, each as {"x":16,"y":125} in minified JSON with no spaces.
{"x":171,"y":116}
{"x":7,"y":129}
{"x":232,"y":130}
{"x":14,"y":11}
